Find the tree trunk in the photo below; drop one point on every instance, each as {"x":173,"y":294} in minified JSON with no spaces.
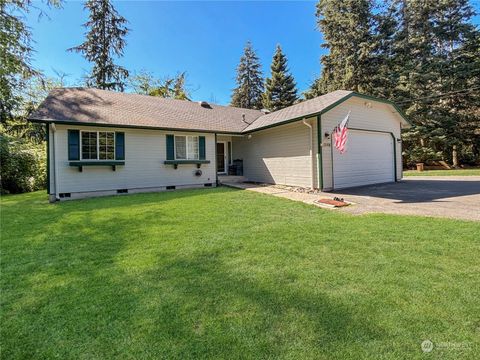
{"x":454,"y":156}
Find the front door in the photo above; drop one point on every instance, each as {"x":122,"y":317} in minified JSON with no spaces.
{"x":221,"y":158}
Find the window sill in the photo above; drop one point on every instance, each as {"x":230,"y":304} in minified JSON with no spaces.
{"x":175,"y":163}
{"x":81,"y":164}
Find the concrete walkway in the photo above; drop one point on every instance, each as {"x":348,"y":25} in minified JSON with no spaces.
{"x":440,"y":196}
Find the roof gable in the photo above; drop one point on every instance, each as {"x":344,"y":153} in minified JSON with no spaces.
{"x":297,"y":111}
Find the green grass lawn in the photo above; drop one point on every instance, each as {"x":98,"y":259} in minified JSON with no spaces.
{"x":222,"y":273}
{"x":457,"y":172}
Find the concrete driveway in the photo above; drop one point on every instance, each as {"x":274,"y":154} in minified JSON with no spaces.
{"x":443,"y":196}
{"x":439,"y":196}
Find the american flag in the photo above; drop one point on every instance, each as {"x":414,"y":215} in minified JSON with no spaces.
{"x":340,"y":134}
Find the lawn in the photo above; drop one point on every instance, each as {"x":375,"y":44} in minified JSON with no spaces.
{"x":457,"y":172}
{"x":231,"y":274}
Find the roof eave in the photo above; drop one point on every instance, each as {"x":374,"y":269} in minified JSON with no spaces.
{"x":76,"y":123}
{"x":244,"y":131}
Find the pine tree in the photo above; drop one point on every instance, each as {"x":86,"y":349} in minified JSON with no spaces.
{"x":347,"y":31}
{"x":15,"y":55}
{"x":280,"y":89}
{"x":249,"y":90}
{"x":457,"y":67}
{"x":435,"y":57}
{"x":104,"y":40}
{"x":382,"y":58}
{"x":421,"y":54}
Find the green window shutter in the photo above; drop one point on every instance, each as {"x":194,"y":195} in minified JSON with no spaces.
{"x":119,"y":146}
{"x":73,"y":145}
{"x":170,"y":147}
{"x":201,"y":147}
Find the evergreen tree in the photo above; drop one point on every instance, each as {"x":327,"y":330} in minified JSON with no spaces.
{"x":249,"y":90}
{"x":15,"y":55}
{"x":421,"y":54}
{"x":382,"y":58}
{"x":280,"y":89}
{"x":436,"y":47}
{"x":347,"y":30}
{"x":104,"y":40}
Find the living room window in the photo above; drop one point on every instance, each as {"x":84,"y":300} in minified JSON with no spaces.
{"x":186,"y":148}
{"x":98,"y":145}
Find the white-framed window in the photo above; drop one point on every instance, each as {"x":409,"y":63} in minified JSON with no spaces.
{"x":186,"y":148}
{"x":98,"y":145}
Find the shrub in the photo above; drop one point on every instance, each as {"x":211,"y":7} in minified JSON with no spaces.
{"x":22,"y":165}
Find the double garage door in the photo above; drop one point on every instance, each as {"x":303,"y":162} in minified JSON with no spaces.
{"x":369,"y":159}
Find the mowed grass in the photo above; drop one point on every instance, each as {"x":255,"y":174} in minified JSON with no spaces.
{"x":231,"y":274}
{"x":456,"y":172}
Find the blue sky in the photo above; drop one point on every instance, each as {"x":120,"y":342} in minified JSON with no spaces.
{"x":205,"y":39}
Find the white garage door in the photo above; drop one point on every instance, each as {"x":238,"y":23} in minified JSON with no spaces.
{"x":369,"y":159}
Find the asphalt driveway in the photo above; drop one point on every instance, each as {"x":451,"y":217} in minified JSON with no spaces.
{"x":443,"y":196}
{"x":455,"y":197}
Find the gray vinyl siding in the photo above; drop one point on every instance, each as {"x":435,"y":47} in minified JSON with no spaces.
{"x":279,"y":155}
{"x":378,"y":117}
{"x":145,"y":152}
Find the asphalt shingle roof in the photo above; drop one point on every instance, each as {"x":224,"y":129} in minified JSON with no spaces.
{"x":89,"y":106}
{"x":94,"y":106}
{"x":299,"y":110}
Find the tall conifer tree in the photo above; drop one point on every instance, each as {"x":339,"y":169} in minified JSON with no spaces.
{"x":435,"y":57}
{"x":105,"y":40}
{"x":16,"y":51}
{"x":346,"y":28}
{"x":249,"y":90}
{"x":280,"y":88}
{"x":421,"y":54}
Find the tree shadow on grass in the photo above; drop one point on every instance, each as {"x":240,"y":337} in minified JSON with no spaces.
{"x":93,"y":288}
{"x":182,"y":306}
{"x":257,"y":318}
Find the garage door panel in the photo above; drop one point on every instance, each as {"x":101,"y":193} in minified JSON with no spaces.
{"x":369,"y":159}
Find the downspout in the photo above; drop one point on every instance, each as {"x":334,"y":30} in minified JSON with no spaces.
{"x":55,"y":167}
{"x":312,"y":169}
{"x":320,"y":152}
{"x":48,"y":159}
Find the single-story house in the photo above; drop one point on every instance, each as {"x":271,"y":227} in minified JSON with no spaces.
{"x":102,"y":142}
